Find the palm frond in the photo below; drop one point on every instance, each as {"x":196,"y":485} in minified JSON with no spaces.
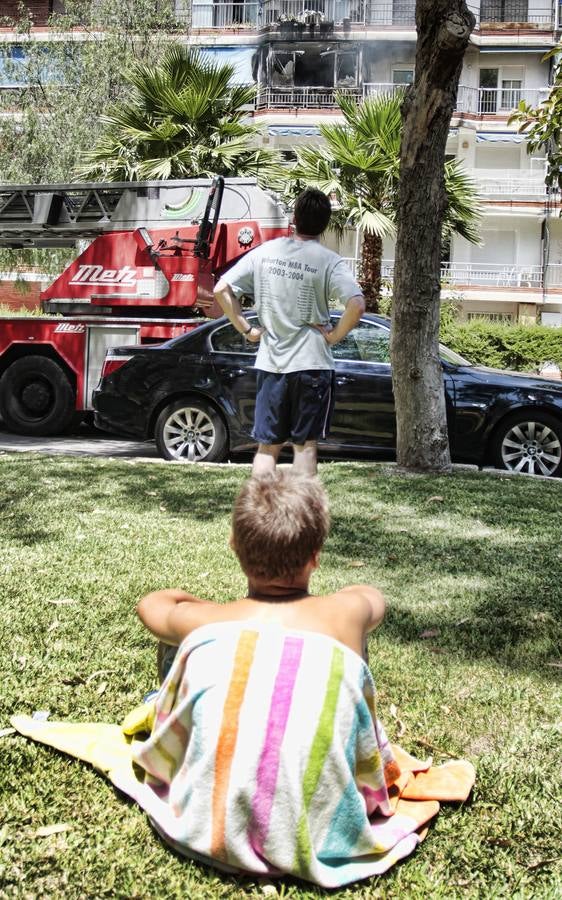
{"x":464,"y":210}
{"x":183,"y":118}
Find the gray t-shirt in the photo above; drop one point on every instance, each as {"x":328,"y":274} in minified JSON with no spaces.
{"x":292,"y":282}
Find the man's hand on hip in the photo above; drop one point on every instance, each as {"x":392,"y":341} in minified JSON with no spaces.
{"x":254,"y":334}
{"x":327,"y":331}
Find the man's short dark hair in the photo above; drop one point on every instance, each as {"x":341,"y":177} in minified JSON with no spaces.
{"x":312,"y":212}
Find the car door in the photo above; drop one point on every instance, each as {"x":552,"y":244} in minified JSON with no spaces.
{"x":364,"y":406}
{"x":233,"y":361}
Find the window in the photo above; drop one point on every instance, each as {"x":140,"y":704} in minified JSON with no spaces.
{"x":511,"y":92}
{"x":282,"y":69}
{"x":346,"y":69}
{"x":317,"y":66}
{"x":365,"y":343}
{"x":228,"y":340}
{"x":488,"y":91}
{"x":403,"y":76}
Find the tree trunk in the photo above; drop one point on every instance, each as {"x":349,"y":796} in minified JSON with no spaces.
{"x":371,"y":263}
{"x":444,"y":28}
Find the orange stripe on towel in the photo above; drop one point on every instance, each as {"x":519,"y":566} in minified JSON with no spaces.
{"x":226,"y":743}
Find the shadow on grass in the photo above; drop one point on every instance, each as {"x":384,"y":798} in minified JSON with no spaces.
{"x":493,"y":542}
{"x":202,"y":493}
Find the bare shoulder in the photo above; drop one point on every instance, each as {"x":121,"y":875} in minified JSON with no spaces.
{"x":364,"y":601}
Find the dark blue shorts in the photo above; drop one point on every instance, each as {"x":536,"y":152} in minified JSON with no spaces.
{"x":296,"y":407}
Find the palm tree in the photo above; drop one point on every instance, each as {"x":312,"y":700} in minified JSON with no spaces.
{"x":183,"y":119}
{"x":358,"y":166}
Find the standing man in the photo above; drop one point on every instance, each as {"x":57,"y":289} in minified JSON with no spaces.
{"x":292,"y":280}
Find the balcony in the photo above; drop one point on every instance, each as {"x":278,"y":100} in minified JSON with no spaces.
{"x":497,"y":101}
{"x":345,"y":13}
{"x":513,"y":15}
{"x":470,"y":101}
{"x":303,"y":14}
{"x":553,"y":277}
{"x":303,"y":97}
{"x":476,"y":101}
{"x":221,"y":16}
{"x":491,"y":15}
{"x":510,"y":184}
{"x":496,"y":275}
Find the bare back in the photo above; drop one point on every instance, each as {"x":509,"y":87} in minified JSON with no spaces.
{"x":347,"y":615}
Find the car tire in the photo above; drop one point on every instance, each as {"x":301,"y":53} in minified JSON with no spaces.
{"x":36,"y":397}
{"x":191,"y":430}
{"x":530,"y":442}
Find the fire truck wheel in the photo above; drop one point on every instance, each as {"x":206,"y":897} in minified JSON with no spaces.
{"x":36,"y":397}
{"x":191,"y":430}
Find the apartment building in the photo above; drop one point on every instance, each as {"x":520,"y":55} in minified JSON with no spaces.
{"x":300,"y":53}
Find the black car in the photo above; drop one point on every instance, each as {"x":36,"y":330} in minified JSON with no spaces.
{"x":195,"y":396}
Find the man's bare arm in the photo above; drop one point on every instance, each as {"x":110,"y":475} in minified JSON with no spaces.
{"x":373,"y":604}
{"x":230,"y":306}
{"x":350,"y":317}
{"x":166,"y":613}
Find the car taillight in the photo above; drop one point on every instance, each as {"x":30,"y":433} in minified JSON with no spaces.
{"x":112,"y":363}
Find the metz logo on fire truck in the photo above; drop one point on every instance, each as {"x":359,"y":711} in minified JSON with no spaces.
{"x":183,"y":276}
{"x":70,"y":328}
{"x":92,"y":274}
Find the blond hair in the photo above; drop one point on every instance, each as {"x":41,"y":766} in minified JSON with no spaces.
{"x":279,"y":522}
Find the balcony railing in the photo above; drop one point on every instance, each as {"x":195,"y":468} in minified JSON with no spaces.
{"x":509,"y":183}
{"x":219,"y":15}
{"x":311,"y":12}
{"x":371,"y":88}
{"x":553,"y":276}
{"x":490,"y":14}
{"x":497,"y":101}
{"x":271,"y":13}
{"x":356,"y":12}
{"x":480,"y":274}
{"x":478,"y":101}
{"x":501,"y":14}
{"x":302,"y":97}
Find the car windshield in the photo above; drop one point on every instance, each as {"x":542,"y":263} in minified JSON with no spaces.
{"x":455,"y":359}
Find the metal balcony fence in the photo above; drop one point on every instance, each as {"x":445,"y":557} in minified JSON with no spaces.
{"x":510,"y":183}
{"x":221,"y":15}
{"x":497,"y":101}
{"x":372,"y":88}
{"x":486,"y":275}
{"x":304,"y":13}
{"x":382,"y":13}
{"x":553,"y":276}
{"x":479,"y":101}
{"x":513,"y":12}
{"x":273,"y":13}
{"x":302,"y":97}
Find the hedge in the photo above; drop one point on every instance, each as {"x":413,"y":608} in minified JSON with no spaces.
{"x":522,"y":348}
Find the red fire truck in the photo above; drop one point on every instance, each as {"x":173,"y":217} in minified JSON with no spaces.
{"x":155,"y":250}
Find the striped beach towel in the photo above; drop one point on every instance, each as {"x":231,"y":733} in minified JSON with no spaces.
{"x":266,"y":756}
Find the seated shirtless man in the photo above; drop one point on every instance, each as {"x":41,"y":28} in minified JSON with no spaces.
{"x":266,"y":755}
{"x":279,"y":526}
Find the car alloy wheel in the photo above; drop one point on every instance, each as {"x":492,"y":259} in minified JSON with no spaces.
{"x":189,"y":434}
{"x":191,"y":430}
{"x":531,"y":447}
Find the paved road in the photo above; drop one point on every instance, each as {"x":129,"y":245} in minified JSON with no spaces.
{"x":86,"y":441}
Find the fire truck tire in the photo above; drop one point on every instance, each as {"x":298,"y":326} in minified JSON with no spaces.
{"x":191,"y":430}
{"x":36,"y":397}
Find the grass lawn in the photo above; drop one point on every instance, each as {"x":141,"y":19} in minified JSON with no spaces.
{"x":468,"y":655}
